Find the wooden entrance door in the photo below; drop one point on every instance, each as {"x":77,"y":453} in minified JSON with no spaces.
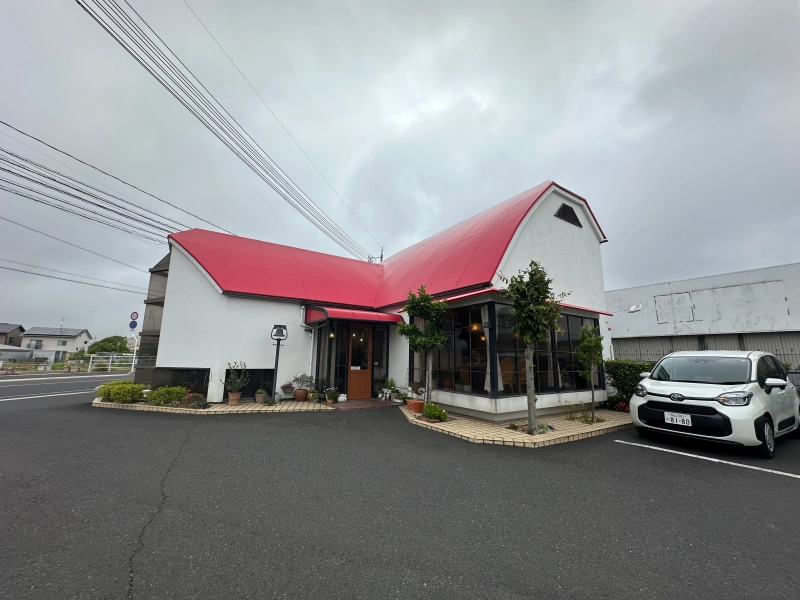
{"x":359,"y":376}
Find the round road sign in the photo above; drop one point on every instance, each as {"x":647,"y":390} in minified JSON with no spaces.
{"x":134,"y":316}
{"x":133,"y":324}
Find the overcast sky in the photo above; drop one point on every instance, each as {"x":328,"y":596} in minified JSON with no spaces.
{"x":679,"y":121}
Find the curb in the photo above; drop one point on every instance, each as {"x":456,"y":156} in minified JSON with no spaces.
{"x":241,"y":409}
{"x":506,"y":442}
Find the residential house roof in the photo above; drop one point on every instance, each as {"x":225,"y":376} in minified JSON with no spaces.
{"x":463,"y":257}
{"x":9,"y":327}
{"x":54,"y":332}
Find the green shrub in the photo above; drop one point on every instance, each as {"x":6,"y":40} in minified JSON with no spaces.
{"x":105,"y":390}
{"x":167,"y":396}
{"x":431,"y":411}
{"x":192,"y":400}
{"x":60,"y":366}
{"x":126,"y":393}
{"x":624,"y":374}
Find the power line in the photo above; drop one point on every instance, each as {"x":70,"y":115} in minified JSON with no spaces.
{"x":264,"y":102}
{"x":213,"y":116}
{"x":16,"y":262}
{"x":70,"y":280}
{"x":54,"y":175}
{"x":58,"y":203}
{"x":36,"y":173}
{"x":73,"y":245}
{"x":108,"y":175}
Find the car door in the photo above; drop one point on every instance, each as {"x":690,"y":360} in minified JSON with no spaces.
{"x":764,"y":370}
{"x":788,"y":397}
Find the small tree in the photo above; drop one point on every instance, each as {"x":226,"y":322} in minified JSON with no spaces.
{"x":115,"y":343}
{"x":534,"y":316}
{"x":428,"y":335}
{"x":590,"y":355}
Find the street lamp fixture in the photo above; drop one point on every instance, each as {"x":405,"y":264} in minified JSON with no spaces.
{"x":279,"y":333}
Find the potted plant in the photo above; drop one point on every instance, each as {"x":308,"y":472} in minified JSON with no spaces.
{"x":415,"y":405}
{"x":331,"y":395}
{"x":304,"y":383}
{"x":261,"y":396}
{"x":394,"y":393}
{"x":287,"y":389}
{"x":237,"y":378}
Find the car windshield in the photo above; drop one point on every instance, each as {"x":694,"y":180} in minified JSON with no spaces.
{"x":703,"y":369}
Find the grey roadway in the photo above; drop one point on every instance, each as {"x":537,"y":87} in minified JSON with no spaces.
{"x":99,"y":503}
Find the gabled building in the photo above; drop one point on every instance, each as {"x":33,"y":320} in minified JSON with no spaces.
{"x":11,"y":334}
{"x":223,"y":294}
{"x":59,"y":339}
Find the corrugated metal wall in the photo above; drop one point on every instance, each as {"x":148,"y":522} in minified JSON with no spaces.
{"x":784,"y":345}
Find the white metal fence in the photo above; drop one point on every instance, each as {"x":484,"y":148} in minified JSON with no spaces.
{"x":111,"y":362}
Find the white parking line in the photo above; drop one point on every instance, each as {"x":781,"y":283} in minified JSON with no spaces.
{"x":45,"y":395}
{"x":716,"y":460}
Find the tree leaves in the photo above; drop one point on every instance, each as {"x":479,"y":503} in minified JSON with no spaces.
{"x":534,"y":309}
{"x":430,"y":335}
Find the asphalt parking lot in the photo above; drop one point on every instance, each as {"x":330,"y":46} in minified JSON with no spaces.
{"x":117,"y":504}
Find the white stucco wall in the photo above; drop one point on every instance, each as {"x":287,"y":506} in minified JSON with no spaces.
{"x":760,"y":300}
{"x":570,"y":254}
{"x":511,"y":407}
{"x":201,"y":328}
{"x":398,"y":356}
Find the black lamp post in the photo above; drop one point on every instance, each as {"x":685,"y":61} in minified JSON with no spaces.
{"x":279,"y":333}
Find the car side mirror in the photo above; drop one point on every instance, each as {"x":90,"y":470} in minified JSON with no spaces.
{"x":644,"y":375}
{"x":774,"y":382}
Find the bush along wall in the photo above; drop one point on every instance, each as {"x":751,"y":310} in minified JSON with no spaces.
{"x":624,"y":375}
{"x":124,"y":392}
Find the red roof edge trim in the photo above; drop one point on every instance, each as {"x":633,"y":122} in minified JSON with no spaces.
{"x":583,"y":308}
{"x":347,"y":314}
{"x":490,"y":290}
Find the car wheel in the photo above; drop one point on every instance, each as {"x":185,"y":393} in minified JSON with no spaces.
{"x":767,"y":435}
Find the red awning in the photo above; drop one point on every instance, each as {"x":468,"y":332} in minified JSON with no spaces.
{"x":315,"y":314}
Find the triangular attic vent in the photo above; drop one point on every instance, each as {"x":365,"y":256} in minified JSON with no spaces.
{"x":567,"y":213}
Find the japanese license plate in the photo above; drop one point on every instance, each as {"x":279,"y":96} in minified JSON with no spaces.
{"x":678,"y":419}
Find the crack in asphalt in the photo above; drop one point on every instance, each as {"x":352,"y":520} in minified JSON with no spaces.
{"x":156,"y":512}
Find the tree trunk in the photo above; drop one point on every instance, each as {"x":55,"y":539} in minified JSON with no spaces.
{"x":533,"y":423}
{"x":428,"y":376}
{"x":591,"y":381}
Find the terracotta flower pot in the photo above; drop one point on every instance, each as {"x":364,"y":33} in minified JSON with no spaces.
{"x":415,"y":406}
{"x":329,"y":400}
{"x":301,"y":395}
{"x":260,"y":398}
{"x":233,"y":398}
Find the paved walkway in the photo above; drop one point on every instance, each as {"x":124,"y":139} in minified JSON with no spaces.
{"x":479,"y":431}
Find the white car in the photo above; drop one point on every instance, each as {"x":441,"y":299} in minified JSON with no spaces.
{"x":742,"y":398}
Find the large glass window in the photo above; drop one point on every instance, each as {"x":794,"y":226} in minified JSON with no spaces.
{"x":463,"y":364}
{"x":555,"y":366}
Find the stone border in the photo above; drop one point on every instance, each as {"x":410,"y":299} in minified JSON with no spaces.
{"x":478,"y":431}
{"x":220,"y":408}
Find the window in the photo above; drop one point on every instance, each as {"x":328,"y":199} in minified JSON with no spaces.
{"x":35,"y":344}
{"x":11,"y":339}
{"x":556,"y":367}
{"x":463,"y":364}
{"x":62,"y":342}
{"x":705,"y":369}
{"x":779,"y":368}
{"x":767,"y":368}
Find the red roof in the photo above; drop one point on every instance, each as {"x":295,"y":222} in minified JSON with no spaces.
{"x":461,"y":258}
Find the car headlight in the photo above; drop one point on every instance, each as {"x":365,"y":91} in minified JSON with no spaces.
{"x":641,"y":391}
{"x":734,"y":398}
